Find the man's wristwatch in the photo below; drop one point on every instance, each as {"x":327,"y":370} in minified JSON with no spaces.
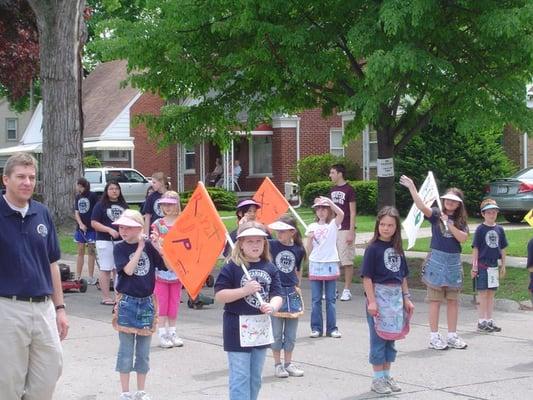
{"x":60,"y":306}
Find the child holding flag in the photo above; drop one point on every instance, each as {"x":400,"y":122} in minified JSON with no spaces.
{"x":324,"y":261}
{"x":247,"y":329}
{"x":384,"y":272}
{"x":287,"y":254}
{"x":167,"y":284}
{"x":135,"y":316}
{"x":488,"y":247}
{"x":443,"y":272}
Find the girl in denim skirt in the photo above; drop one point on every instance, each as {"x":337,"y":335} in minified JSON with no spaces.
{"x":443,"y":271}
{"x":324,"y":260}
{"x":248,"y":303}
{"x":135,"y":315}
{"x":384,"y":272}
{"x":287,"y":255}
{"x":488,"y":247}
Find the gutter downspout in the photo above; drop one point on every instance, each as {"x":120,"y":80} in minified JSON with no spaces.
{"x":525,"y":160}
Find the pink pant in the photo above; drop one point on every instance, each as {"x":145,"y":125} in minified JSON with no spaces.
{"x":168,"y":297}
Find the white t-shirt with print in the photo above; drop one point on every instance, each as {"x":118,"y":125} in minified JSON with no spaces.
{"x":324,"y":238}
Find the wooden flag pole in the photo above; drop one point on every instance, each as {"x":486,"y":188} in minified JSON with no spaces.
{"x":297,"y":216}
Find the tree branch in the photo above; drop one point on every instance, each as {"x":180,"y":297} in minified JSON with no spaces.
{"x":354,"y":65}
{"x":422,"y":122}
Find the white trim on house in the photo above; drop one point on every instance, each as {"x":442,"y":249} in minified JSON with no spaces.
{"x":285,"y":121}
{"x":120,"y":128}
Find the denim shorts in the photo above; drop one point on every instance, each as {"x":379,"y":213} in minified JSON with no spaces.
{"x":482,"y":279}
{"x":443,"y":269}
{"x":136,"y":312}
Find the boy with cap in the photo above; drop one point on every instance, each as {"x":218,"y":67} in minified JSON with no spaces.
{"x":488,"y":247}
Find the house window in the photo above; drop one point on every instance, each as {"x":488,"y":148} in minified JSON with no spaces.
{"x":372,"y":147}
{"x":189,"y":158}
{"x":116,"y":155}
{"x":11,"y":128}
{"x":335,"y":142}
{"x":261,"y":155}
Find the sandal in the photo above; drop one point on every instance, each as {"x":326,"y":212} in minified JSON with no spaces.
{"x":107,"y":302}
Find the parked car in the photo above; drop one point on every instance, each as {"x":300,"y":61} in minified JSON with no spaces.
{"x":132,"y":183}
{"x":514,"y":195}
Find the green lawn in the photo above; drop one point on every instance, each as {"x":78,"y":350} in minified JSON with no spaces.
{"x":517,"y":239}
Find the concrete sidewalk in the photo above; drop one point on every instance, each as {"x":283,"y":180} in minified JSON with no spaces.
{"x":495,"y":366}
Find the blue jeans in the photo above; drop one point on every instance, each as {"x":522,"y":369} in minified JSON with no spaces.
{"x":131,"y":343}
{"x":245,"y":370}
{"x":317,"y":323}
{"x":381,"y":351}
{"x":284,"y":331}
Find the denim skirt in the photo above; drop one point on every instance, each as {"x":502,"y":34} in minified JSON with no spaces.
{"x":443,"y":270}
{"x":135,"y":314}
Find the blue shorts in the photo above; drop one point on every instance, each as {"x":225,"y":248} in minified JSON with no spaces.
{"x":87,"y":237}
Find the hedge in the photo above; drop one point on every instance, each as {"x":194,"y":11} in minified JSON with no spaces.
{"x":223,"y":200}
{"x":366,"y":194}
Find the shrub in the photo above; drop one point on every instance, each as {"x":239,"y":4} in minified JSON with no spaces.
{"x":223,"y":200}
{"x":316,"y":168}
{"x":465,"y":160}
{"x":366,"y":193}
{"x":91,"y":161}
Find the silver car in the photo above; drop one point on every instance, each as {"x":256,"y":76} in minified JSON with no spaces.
{"x":514,"y":195}
{"x":132,"y":183}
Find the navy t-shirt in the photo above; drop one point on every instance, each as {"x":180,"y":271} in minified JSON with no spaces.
{"x":383,"y":264}
{"x":142,"y":282}
{"x":232,"y":276}
{"x":106,"y":216}
{"x":489,"y":240}
{"x":530,"y":262}
{"x":84,"y":204}
{"x":440,"y":238}
{"x":288,"y":260}
{"x":27,"y":248}
{"x":342,"y":196}
{"x":151,"y":206}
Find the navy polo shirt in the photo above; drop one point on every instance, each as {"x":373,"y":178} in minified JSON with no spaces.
{"x":84,"y":204}
{"x":489,"y":240}
{"x":288,"y":260}
{"x":383,"y":264}
{"x":440,"y":238}
{"x":151,"y":206}
{"x":27,"y":248}
{"x":106,"y":216}
{"x":232,"y":277}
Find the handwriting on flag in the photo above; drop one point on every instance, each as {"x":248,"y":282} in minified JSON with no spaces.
{"x":429,"y":193}
{"x":273,"y":203}
{"x":193,"y":244}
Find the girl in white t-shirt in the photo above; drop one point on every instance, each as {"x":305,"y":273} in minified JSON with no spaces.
{"x":324,"y":260}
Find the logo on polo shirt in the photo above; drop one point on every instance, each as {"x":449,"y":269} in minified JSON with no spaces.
{"x":157,"y":209}
{"x":264,"y":280}
{"x":83,"y":205}
{"x":143,"y":266}
{"x":285,"y":261}
{"x":391,"y":259}
{"x":492,"y":239}
{"x":114,"y":212}
{"x":42,"y":230}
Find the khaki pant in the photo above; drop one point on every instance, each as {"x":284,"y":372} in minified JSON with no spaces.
{"x":32,"y":358}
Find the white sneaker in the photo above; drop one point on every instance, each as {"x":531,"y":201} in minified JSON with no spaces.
{"x":346,"y":295}
{"x":455,"y":342}
{"x":335,"y":334}
{"x":126,"y":396}
{"x":141,"y":395}
{"x":165,"y":342}
{"x":393,"y":384}
{"x":380,"y":386}
{"x":280,"y":372}
{"x":293,"y":370}
{"x":315,"y":334}
{"x":175,"y":340}
{"x":438,"y":343}
{"x":91,"y":281}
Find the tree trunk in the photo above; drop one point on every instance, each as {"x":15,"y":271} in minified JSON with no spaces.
{"x":386,"y":193}
{"x":59,"y":24}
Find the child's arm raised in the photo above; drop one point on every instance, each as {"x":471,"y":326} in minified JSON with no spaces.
{"x":339,"y":214}
{"x":409,"y":184}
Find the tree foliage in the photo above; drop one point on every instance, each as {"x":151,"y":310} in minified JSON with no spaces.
{"x":397,"y":64}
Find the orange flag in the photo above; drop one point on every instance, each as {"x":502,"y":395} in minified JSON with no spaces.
{"x":273,"y":203}
{"x":193,"y":244}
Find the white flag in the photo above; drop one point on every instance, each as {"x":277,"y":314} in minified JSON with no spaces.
{"x":429,"y":193}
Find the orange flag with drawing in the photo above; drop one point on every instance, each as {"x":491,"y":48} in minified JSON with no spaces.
{"x":273,"y":203}
{"x":193,"y":244}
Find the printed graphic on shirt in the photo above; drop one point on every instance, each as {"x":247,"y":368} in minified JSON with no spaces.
{"x":42,"y":230}
{"x":83,"y":205}
{"x":114,"y":212}
{"x":285,"y":261}
{"x":338,"y":197}
{"x":319,"y":233}
{"x":492,"y":239}
{"x":143,"y":266}
{"x":391,"y":259}
{"x":157,"y":209}
{"x":264,"y":280}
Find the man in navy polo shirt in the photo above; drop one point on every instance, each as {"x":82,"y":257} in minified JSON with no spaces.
{"x":31,"y":298}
